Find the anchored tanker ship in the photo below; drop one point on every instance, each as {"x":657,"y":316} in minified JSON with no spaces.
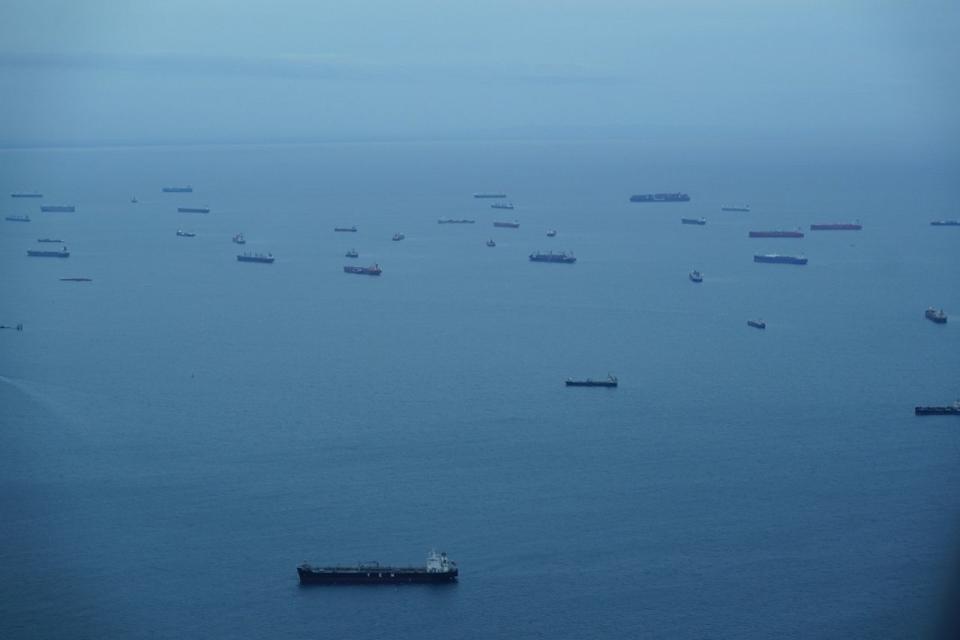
{"x":776,"y":234}
{"x":439,"y":570}
{"x":660,"y":197}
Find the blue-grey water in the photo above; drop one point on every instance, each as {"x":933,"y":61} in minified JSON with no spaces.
{"x":180,"y":433}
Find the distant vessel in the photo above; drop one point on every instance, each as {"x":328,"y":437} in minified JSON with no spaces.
{"x":26,"y":194}
{"x":239,"y":239}
{"x":757,"y":324}
{"x":76,"y":279}
{"x":696,"y":276}
{"x":373,"y":270}
{"x":776,"y":234}
{"x":439,"y":569}
{"x":779,"y":259}
{"x":42,"y":253}
{"x":735,"y":207}
{"x":452,"y":221}
{"x":186,"y":189}
{"x":693,"y":220}
{"x":935,"y":315}
{"x":491,"y":243}
{"x":256,"y":257}
{"x":507,"y":225}
{"x":193,"y":209}
{"x":550,"y":256}
{"x":352,"y":253}
{"x":352,"y":229}
{"x":502,"y":205}
{"x":945,"y":223}
{"x":398,"y":237}
{"x":185,"y":234}
{"x":610,"y":381}
{"x":49,"y":240}
{"x":837,"y":226}
{"x":17,"y":218}
{"x":58,"y":208}
{"x":660,"y":197}
{"x":134,"y":200}
{"x":489,"y":195}
{"x":552,"y":233}
{"x":947,"y":410}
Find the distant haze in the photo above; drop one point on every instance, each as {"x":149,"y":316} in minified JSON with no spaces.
{"x":721,"y":74}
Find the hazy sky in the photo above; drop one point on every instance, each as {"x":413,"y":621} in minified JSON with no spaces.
{"x":735,"y":71}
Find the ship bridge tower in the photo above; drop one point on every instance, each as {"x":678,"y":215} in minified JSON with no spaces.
{"x":439,"y":562}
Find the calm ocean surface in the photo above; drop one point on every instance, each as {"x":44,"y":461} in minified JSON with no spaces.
{"x":180,"y":433}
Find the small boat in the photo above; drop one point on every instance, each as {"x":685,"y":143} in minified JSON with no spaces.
{"x":935,"y":315}
{"x":398,"y":237}
{"x":491,"y":243}
{"x":757,"y":324}
{"x":76,"y":279}
{"x":352,"y":253}
{"x":610,"y":381}
{"x":62,"y":252}
{"x":352,"y":229}
{"x":50,"y":240}
{"x":696,"y":276}
{"x":700,"y":221}
{"x":373,"y":270}
{"x":256,"y":257}
{"x":239,"y":239}
{"x":185,"y":234}
{"x":17,"y":218}
{"x":507,"y":225}
{"x":552,"y":233}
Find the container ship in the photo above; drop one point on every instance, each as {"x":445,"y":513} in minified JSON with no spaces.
{"x":700,"y":221}
{"x":58,"y":208}
{"x":945,"y":223}
{"x":502,"y":205}
{"x":609,"y":381}
{"x":452,"y":221}
{"x":660,"y":197}
{"x":507,"y":225}
{"x":374,"y":270}
{"x":439,"y":570}
{"x":489,"y":195}
{"x":256,"y":257}
{"x":44,"y":253}
{"x":935,"y":315}
{"x":550,"y":256}
{"x":24,"y":194}
{"x":193,"y":209}
{"x":779,"y":259}
{"x":187,"y":189}
{"x":776,"y":234}
{"x":947,"y":410}
{"x":735,"y":207}
{"x":837,"y":226}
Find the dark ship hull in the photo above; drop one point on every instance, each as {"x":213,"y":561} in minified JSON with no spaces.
{"x":610,"y":382}
{"x":507,"y":225}
{"x":777,"y":259}
{"x":562,"y":258}
{"x":700,"y":221}
{"x":26,"y":195}
{"x":177,"y":189}
{"x":953,"y":410}
{"x":249,"y":258}
{"x":55,"y":208}
{"x":776,"y":234}
{"x":660,"y":197}
{"x":489,"y":195}
{"x":757,"y":324}
{"x":375,"y":270}
{"x":35,"y":253}
{"x":945,"y":223}
{"x":374,"y":575}
{"x":837,"y":226}
{"x":193,"y":209}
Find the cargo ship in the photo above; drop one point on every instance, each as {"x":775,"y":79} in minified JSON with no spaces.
{"x":51,"y":240}
{"x":507,"y":225}
{"x":757,"y":324}
{"x":187,"y":189}
{"x":696,"y":276}
{"x":502,"y":205}
{"x":609,"y":381}
{"x":550,"y":256}
{"x":76,"y":279}
{"x":43,"y":253}
{"x":373,"y":270}
{"x":439,"y":570}
{"x":947,"y":410}
{"x":353,"y":253}
{"x":660,"y":197}
{"x":837,"y":226}
{"x":452,"y":221}
{"x":185,"y":234}
{"x":58,"y":208}
{"x":193,"y":209}
{"x":239,"y":239}
{"x":352,"y":229}
{"x":776,"y":234}
{"x":779,"y":259}
{"x":256,"y":257}
{"x":17,"y":218}
{"x":489,"y":195}
{"x":935,"y":315}
{"x":700,"y":221}
{"x":26,"y":194}
{"x":945,"y":223}
{"x":735,"y":207}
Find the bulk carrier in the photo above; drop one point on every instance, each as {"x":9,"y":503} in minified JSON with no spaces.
{"x":439,"y":570}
